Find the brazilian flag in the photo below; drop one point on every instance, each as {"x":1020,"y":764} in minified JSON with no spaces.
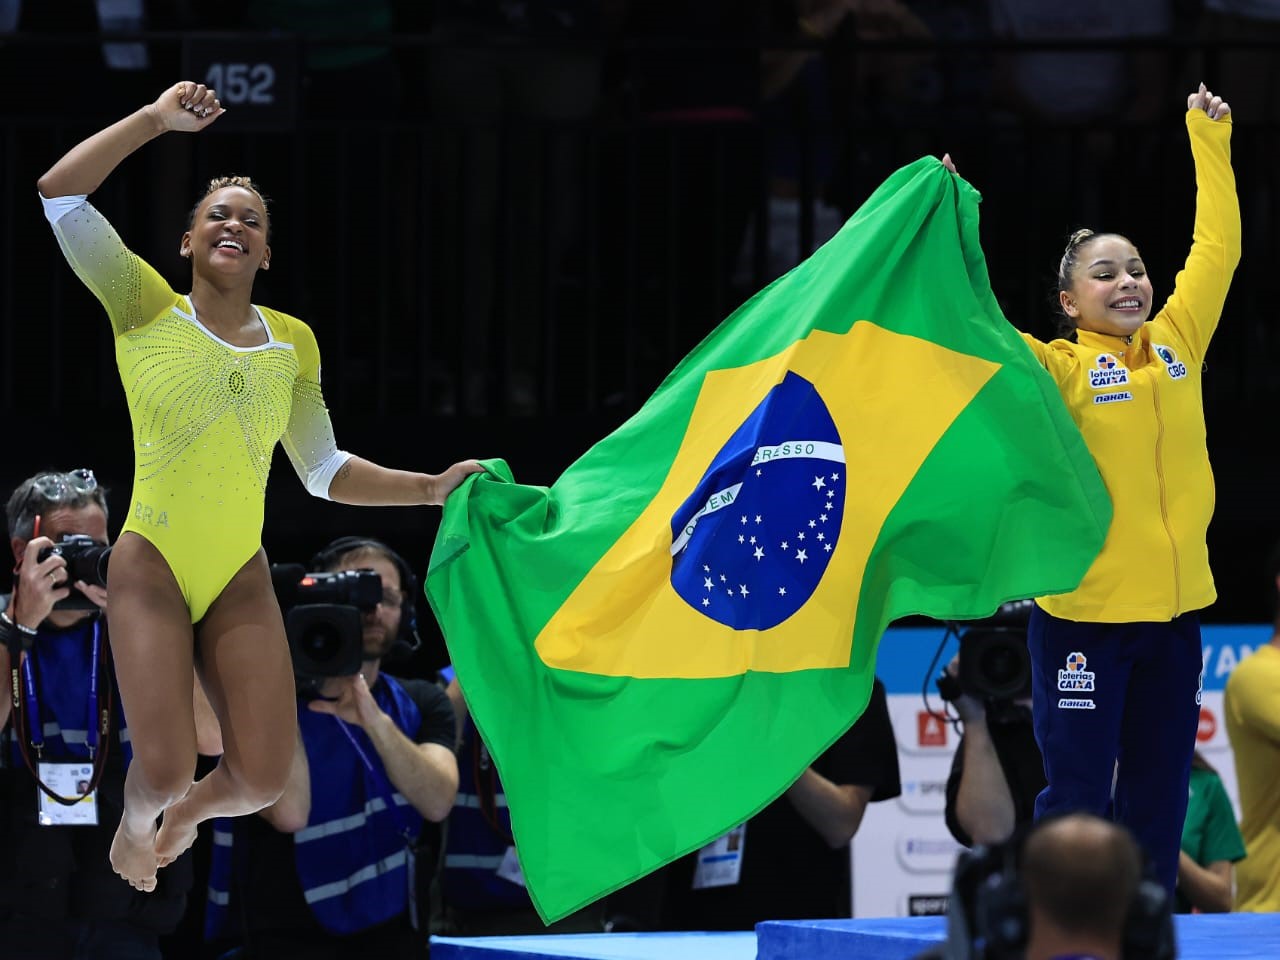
{"x":656,"y":646}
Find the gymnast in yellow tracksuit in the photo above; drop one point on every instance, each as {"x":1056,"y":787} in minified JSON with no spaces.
{"x":1116,"y":663}
{"x":213,"y":382}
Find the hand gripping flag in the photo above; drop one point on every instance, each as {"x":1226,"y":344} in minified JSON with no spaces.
{"x":659,"y":644}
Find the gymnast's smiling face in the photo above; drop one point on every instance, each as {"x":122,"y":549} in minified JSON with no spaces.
{"x":228,"y":235}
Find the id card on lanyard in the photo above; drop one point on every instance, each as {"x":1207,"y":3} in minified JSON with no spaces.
{"x":65,"y":794}
{"x":69,"y":780}
{"x":720,"y":862}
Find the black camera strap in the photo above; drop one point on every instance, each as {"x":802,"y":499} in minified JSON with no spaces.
{"x":26,"y":711}
{"x":485,"y":777}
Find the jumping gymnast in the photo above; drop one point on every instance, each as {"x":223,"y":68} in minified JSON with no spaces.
{"x":212,"y":382}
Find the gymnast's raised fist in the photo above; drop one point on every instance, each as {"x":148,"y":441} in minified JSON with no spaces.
{"x":187,"y":106}
{"x":1204,"y":99}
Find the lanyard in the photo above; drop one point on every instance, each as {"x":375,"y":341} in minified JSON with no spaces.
{"x":26,"y":709}
{"x":35,"y":733}
{"x":381,"y":782}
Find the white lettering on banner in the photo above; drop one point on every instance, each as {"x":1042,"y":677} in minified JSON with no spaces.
{"x":791,"y":449}
{"x":717,"y":501}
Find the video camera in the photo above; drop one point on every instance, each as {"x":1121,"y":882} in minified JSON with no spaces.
{"x":994,"y":662}
{"x":86,"y":560}
{"x":323,"y":618}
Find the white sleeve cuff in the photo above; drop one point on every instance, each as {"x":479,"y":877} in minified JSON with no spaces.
{"x":321,"y":475}
{"x":55,"y":208}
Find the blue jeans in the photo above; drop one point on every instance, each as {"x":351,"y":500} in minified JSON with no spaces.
{"x":1127,"y":692}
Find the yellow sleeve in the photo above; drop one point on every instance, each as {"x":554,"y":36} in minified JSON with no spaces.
{"x":1201,"y":285}
{"x":1251,"y":695}
{"x":128,"y":287}
{"x":1041,"y":350}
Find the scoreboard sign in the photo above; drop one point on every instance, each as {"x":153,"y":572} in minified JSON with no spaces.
{"x":256,"y":79}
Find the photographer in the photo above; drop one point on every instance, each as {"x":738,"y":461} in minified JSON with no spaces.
{"x":330,"y":869}
{"x":59,"y":897}
{"x":997,"y":771}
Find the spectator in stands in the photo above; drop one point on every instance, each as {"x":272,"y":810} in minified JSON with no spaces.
{"x":1211,"y":844}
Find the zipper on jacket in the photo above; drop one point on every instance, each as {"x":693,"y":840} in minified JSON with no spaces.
{"x":1164,"y":501}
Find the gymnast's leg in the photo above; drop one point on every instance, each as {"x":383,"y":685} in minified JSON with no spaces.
{"x":151,"y":640}
{"x":244,"y":663}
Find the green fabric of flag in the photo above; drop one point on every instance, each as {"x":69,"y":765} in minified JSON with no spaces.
{"x":656,"y":646}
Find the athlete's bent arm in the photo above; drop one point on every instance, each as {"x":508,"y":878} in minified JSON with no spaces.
{"x":83,"y":168}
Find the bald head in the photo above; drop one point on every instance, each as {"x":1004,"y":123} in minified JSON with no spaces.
{"x":1081,"y":874}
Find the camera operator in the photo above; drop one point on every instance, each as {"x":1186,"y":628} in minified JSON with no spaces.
{"x":329,"y":870}
{"x":58,"y":894}
{"x":1081,"y":875}
{"x":997,"y":771}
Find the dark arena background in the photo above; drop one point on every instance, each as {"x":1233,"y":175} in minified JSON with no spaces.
{"x":507,"y":223}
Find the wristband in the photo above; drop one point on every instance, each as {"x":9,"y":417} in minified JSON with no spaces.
{"x":21,"y":628}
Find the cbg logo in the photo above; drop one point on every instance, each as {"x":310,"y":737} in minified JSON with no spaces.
{"x":1177,"y":369}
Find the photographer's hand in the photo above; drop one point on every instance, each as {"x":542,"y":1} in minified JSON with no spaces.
{"x":349,"y":699}
{"x":41,"y":584}
{"x":969,"y":709}
{"x":425,"y":773}
{"x":95,"y":593}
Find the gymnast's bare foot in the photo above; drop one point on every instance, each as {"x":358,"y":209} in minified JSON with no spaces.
{"x":134,"y":857}
{"x":177,"y":833}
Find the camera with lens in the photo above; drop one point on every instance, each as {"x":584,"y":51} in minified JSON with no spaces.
{"x":86,"y":560}
{"x":323,"y":619}
{"x":995,"y":665}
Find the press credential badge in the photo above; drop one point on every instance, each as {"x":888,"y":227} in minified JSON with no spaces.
{"x":68,"y":780}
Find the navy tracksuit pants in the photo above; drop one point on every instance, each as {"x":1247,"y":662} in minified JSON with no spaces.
{"x":1126,"y":692}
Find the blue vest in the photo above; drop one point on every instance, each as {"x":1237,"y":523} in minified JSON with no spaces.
{"x":352,"y":858}
{"x":479,"y":835}
{"x":60,"y":660}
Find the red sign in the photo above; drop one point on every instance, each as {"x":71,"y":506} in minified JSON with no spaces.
{"x":931,"y":729}
{"x":1208,"y":725}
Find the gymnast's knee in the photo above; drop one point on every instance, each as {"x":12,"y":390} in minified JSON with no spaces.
{"x":165,"y":779}
{"x":260,"y":783}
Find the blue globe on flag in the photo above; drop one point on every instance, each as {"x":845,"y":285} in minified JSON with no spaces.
{"x":752,"y":541}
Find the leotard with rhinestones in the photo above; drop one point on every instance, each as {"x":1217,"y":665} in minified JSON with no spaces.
{"x":206,"y":414}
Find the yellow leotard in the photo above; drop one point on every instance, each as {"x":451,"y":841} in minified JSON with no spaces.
{"x":206,"y":414}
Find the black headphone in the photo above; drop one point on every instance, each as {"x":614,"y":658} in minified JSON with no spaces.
{"x":988,"y":913}
{"x":407,"y":640}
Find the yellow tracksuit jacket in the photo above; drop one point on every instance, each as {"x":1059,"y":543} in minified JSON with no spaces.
{"x":1140,"y":408}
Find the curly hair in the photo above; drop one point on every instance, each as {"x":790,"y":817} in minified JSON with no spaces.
{"x":217,"y":183}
